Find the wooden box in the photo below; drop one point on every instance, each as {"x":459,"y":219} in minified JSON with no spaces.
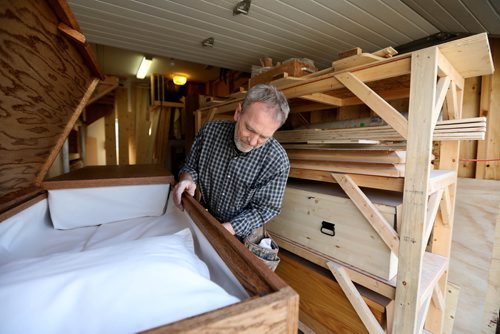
{"x":54,"y":73}
{"x":322,"y":218}
{"x":294,"y":68}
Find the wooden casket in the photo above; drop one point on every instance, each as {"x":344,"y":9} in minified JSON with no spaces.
{"x":47,"y":77}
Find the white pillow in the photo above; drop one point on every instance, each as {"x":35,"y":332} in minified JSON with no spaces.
{"x":123,"y":288}
{"x":80,"y":207}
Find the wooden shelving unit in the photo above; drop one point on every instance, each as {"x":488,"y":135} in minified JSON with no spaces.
{"x":433,"y":80}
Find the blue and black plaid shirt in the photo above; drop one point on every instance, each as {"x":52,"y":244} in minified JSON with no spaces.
{"x":244,"y":189}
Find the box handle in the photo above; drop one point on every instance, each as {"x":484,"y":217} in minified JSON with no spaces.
{"x":328,"y":228}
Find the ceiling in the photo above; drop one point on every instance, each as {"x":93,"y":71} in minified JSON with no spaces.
{"x":281,"y":29}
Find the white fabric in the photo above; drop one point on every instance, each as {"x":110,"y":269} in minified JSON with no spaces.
{"x":122,"y":288}
{"x":80,"y":207}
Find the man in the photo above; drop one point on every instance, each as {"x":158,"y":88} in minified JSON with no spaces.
{"x":239,"y":168}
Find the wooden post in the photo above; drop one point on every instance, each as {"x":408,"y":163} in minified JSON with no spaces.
{"x":421,"y":113}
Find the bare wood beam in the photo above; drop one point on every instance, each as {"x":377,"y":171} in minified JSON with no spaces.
{"x":416,"y":189}
{"x":73,"y":34}
{"x":355,"y":298}
{"x":432,"y":211}
{"x":323,"y":98}
{"x":67,"y":129}
{"x":442,"y":90}
{"x":369,"y":211}
{"x":387,"y":112}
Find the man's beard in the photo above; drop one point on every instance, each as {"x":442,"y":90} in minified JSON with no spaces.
{"x":241,"y":145}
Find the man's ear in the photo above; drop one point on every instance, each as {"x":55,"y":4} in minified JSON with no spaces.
{"x":237,"y":112}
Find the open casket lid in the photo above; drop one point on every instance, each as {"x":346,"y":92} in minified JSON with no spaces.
{"x":48,"y":73}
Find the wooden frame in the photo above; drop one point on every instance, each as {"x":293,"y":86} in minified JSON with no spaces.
{"x":435,"y":80}
{"x":272,"y":305}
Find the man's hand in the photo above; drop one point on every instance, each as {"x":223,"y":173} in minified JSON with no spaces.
{"x":229,"y":227}
{"x":184,"y":185}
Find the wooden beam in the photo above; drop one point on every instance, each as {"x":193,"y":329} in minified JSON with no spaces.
{"x":432,"y":210}
{"x":369,"y":211}
{"x":438,"y":298}
{"x":442,"y":90}
{"x":67,"y":129}
{"x":368,"y":181}
{"x":446,"y":207}
{"x":73,"y":34}
{"x":387,"y":112}
{"x":418,"y":166}
{"x":323,"y":98}
{"x":364,"y":313}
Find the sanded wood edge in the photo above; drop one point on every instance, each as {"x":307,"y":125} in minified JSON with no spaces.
{"x":20,"y":207}
{"x":55,"y":150}
{"x":110,"y":182}
{"x":253,"y":274}
{"x":277,"y":312}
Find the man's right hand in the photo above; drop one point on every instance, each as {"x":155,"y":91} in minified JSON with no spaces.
{"x":184,"y":185}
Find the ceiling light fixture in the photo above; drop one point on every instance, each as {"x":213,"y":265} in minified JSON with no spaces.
{"x":179,"y":79}
{"x":144,"y":67}
{"x":242,"y":7}
{"x":208,"y":43}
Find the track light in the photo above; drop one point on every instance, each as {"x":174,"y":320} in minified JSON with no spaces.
{"x":208,"y":43}
{"x":242,"y":7}
{"x":144,"y":67}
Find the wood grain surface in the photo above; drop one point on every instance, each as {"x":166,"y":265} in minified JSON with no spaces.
{"x":42,"y":81}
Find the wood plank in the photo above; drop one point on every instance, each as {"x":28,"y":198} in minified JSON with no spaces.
{"x":442,"y":90}
{"x":355,"y":298}
{"x":71,"y":33}
{"x":452,"y":295}
{"x":348,"y":155}
{"x":432,"y":210}
{"x":323,"y":98}
{"x":356,"y":60}
{"x":474,"y":241}
{"x":102,"y":176}
{"x":492,"y":302}
{"x":368,"y":181}
{"x":470,"y":56}
{"x":389,"y":170}
{"x":369,"y":211}
{"x":421,"y":111}
{"x":67,"y":129}
{"x":375,"y":102}
{"x":489,"y":150}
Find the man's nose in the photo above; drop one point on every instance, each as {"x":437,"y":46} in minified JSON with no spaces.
{"x":254,"y":139}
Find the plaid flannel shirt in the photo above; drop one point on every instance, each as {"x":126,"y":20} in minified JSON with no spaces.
{"x":244,"y":189}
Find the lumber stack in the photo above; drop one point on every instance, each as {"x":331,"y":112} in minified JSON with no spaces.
{"x":460,"y":129}
{"x":373,"y":162}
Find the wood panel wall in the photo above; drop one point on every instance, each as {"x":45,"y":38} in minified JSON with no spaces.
{"x":43,"y":79}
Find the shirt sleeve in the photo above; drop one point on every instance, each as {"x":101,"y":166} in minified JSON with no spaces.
{"x":191,"y":165}
{"x":265,"y":204}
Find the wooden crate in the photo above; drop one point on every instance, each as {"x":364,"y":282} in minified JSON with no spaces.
{"x":310,"y":207}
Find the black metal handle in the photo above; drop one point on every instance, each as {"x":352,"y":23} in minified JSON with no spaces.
{"x":328,"y":228}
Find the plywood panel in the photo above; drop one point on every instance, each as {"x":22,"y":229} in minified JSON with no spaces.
{"x":42,"y":81}
{"x":476,"y":210}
